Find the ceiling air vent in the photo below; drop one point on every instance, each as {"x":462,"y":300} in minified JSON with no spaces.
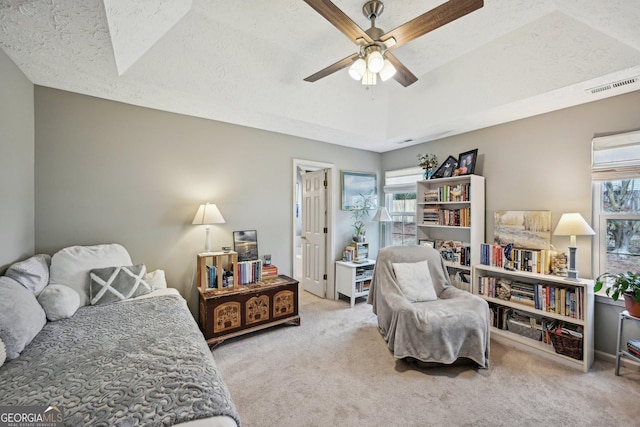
{"x":613,"y":85}
{"x":405,"y":141}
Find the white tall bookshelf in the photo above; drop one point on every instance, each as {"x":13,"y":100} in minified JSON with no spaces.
{"x":472,"y":235}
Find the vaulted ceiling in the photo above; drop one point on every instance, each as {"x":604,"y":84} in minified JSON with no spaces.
{"x":244,"y":61}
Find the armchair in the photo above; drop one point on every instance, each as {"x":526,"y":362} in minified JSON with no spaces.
{"x":420,"y":315}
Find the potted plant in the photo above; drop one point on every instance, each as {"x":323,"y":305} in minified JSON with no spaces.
{"x":428,"y":162}
{"x":359,"y":213}
{"x":627,"y":284}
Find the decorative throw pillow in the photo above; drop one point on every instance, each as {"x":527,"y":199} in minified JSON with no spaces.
{"x":21,"y":317}
{"x":32,"y":273}
{"x":118,"y":283}
{"x":156,"y":279}
{"x":414,"y":280}
{"x":59,"y":302}
{"x":70,"y":266}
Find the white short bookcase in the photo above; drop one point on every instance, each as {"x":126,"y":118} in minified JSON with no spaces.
{"x":353,"y":279}
{"x":539,"y":347}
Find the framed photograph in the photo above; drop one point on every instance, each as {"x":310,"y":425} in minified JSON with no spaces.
{"x":355,"y":185}
{"x":431,"y":243}
{"x":467,"y":162}
{"x":447,"y":168}
{"x":246,"y":244}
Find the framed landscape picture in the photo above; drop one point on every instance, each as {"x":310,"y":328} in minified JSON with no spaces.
{"x":246,"y":244}
{"x":355,"y":185}
{"x":523,"y":229}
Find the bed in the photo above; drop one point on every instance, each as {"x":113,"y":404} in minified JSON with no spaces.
{"x":137,"y":361}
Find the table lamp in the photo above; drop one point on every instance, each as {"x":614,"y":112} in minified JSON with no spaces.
{"x":572,"y":224}
{"x":382,"y":216}
{"x":207,"y":214}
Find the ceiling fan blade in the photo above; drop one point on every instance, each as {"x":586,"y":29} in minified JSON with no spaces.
{"x":339,"y":20}
{"x":402,"y":75}
{"x":429,"y":21}
{"x":343,"y":63}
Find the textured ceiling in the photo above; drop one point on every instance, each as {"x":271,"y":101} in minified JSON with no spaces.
{"x":243,"y":62}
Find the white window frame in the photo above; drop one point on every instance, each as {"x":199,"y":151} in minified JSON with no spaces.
{"x":400,"y":181}
{"x":614,"y":157}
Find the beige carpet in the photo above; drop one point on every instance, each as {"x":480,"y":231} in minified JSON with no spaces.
{"x":335,"y":370}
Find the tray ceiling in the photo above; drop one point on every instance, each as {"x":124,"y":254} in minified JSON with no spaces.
{"x":244,"y":62}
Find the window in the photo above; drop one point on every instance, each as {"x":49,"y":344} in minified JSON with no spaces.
{"x":402,"y":208}
{"x":400,"y":199}
{"x":616,"y":203}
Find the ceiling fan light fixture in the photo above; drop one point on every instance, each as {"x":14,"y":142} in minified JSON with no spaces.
{"x":375,"y":61}
{"x":357,"y":69}
{"x":388,"y":71}
{"x":369,"y":78}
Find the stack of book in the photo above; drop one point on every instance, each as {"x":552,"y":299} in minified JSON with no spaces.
{"x":633,"y":347}
{"x":269,"y":271}
{"x":431,"y":196}
{"x":523,"y":293}
{"x":431,"y":215}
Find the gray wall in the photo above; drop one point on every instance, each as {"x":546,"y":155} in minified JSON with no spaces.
{"x":16,"y":164}
{"x":112,"y":172}
{"x":108,"y":171}
{"x":542,"y":163}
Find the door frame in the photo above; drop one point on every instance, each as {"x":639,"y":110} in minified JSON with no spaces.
{"x":330,"y":251}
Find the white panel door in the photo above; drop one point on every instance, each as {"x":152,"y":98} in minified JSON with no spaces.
{"x":314,"y":235}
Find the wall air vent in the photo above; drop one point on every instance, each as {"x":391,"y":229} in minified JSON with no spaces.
{"x":614,"y":85}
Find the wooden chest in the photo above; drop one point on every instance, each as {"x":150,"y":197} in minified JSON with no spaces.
{"x":247,"y":308}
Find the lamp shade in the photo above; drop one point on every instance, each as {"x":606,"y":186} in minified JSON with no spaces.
{"x":572,"y":224}
{"x":382,"y":215}
{"x":357,"y":69}
{"x":387,"y":71}
{"x":208,"y":213}
{"x":375,"y":62}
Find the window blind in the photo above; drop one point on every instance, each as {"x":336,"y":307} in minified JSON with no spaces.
{"x":402,"y":180}
{"x":616,"y":157}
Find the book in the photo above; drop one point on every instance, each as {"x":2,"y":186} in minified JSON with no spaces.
{"x":212,"y":276}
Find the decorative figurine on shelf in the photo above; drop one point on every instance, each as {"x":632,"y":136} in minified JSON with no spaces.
{"x":508,"y":257}
{"x":559,"y":264}
{"x":428,"y":162}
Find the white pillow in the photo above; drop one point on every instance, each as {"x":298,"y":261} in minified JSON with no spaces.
{"x":415,"y":281}
{"x":156,"y":279}
{"x":70,"y":266}
{"x":59,"y":302}
{"x":32,"y":273}
{"x":21,"y":317}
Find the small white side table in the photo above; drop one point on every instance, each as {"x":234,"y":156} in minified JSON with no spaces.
{"x":354,"y":278}
{"x":620,"y":349}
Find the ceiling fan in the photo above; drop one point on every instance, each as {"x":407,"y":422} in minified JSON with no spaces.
{"x":374,"y":57}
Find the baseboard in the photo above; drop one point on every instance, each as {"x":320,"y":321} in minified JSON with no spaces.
{"x":624,"y":361}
